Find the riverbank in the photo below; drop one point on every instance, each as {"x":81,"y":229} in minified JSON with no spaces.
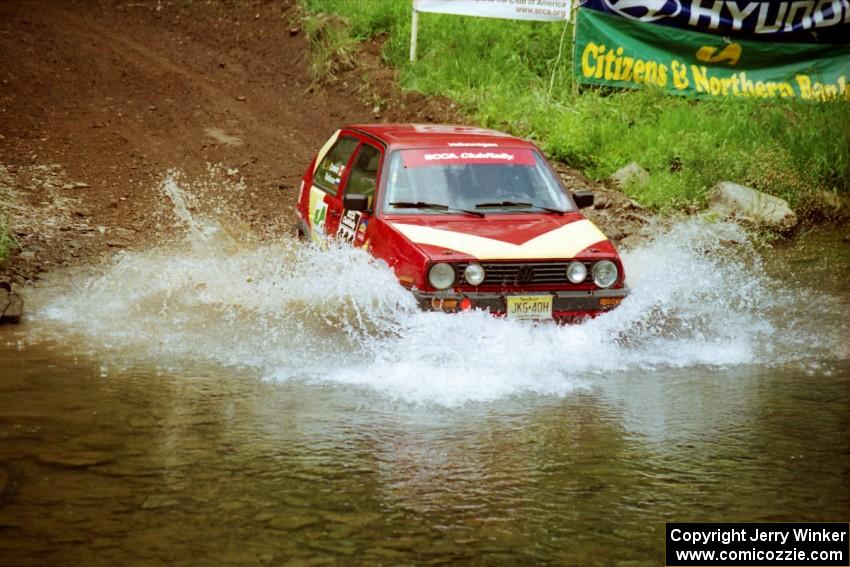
{"x":516,"y":76}
{"x":234,"y":98}
{"x":218,"y":95}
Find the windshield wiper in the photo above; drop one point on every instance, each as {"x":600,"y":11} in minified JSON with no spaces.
{"x":433,"y":206}
{"x":519,"y":205}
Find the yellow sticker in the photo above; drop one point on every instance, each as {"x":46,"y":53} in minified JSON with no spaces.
{"x":318,"y":213}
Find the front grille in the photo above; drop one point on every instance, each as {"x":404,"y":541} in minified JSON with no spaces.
{"x":523,"y":273}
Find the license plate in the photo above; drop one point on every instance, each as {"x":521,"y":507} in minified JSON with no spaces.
{"x":529,"y":307}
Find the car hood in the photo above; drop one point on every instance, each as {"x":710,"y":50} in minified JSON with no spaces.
{"x":502,"y":237}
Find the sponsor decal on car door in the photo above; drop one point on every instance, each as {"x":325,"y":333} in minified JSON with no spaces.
{"x":348,"y":226}
{"x":325,"y":214}
{"x":361,"y":181}
{"x":318,"y":214}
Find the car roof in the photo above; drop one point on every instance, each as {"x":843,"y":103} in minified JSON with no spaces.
{"x":435,"y":135}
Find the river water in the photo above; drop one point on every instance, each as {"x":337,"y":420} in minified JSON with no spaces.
{"x":222,"y":400}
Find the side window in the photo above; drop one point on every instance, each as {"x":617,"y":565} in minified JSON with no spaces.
{"x":364,"y":172}
{"x":329,"y":173}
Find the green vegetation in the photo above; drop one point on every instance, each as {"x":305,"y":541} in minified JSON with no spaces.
{"x":7,"y":239}
{"x":500,"y":72}
{"x":332,"y":45}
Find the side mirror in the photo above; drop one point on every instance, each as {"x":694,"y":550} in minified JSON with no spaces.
{"x":583,"y":199}
{"x":355,"y":202}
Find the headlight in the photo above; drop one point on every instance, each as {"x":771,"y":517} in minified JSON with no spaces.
{"x":441,"y":276}
{"x":605,"y":273}
{"x":576,"y":272}
{"x":474,"y":274}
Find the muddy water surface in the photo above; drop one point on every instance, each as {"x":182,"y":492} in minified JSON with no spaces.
{"x":225,"y":402}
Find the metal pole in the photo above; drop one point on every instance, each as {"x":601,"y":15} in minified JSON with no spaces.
{"x":576,"y":4}
{"x":414,"y":29}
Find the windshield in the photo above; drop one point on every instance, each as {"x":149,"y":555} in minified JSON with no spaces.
{"x":445,"y":180}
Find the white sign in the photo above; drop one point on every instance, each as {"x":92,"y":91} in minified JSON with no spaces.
{"x":545,"y":10}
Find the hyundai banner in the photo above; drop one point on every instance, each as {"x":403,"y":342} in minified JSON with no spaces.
{"x":798,"y":49}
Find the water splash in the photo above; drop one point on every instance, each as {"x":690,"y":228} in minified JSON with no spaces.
{"x":290,"y":311}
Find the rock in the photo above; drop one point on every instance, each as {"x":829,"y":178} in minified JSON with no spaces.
{"x":80,"y":185}
{"x":27,"y":254}
{"x":630,"y":174}
{"x":241,"y":98}
{"x":601,"y":202}
{"x":13,"y":305}
{"x":732,"y":200}
{"x":294,"y":31}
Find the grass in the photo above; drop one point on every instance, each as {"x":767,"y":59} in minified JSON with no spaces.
{"x":7,"y":239}
{"x":332,"y":45}
{"x":500,"y":72}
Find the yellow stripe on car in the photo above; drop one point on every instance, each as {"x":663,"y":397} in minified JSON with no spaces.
{"x":325,"y":149}
{"x":563,"y":242}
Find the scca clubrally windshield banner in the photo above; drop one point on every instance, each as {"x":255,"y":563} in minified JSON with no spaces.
{"x":717,"y":48}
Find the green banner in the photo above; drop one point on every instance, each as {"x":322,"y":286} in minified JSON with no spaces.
{"x":620,"y":52}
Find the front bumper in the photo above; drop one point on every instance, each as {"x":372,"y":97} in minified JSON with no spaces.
{"x":566,"y":305}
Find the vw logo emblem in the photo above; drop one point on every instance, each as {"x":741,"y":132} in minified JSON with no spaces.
{"x":645,"y":10}
{"x":525,"y":274}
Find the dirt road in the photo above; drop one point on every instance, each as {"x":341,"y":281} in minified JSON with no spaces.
{"x":100,"y":98}
{"x":106,"y":96}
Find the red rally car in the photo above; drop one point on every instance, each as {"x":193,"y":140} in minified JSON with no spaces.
{"x":467,"y":218}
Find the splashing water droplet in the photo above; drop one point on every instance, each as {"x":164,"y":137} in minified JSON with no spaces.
{"x":292,"y":311}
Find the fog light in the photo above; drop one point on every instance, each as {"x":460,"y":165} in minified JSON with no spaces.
{"x":474,"y":274}
{"x":465,"y":304}
{"x":576,"y":272}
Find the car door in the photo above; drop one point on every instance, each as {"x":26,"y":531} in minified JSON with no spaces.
{"x":325,"y":201}
{"x":362,"y":179}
